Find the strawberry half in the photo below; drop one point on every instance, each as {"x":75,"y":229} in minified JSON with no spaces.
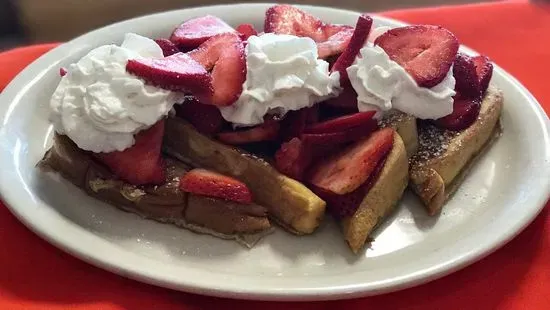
{"x":333,"y":139}
{"x":464,"y":72}
{"x":287,"y":19}
{"x":196,"y":31}
{"x":341,"y":206}
{"x":346,"y":102}
{"x":347,"y":170}
{"x":295,"y":122}
{"x":208,"y":183}
{"x":224,"y":55}
{"x":178,"y":72}
{"x":425,"y":52}
{"x":341,"y":123}
{"x":62,"y":71}
{"x":206,"y":118}
{"x":268,"y":131}
{"x":168,"y":48}
{"x":336,"y":43}
{"x":484,"y":70}
{"x":357,"y":41}
{"x":246,"y":31}
{"x":141,"y":163}
{"x":293,"y":158}
{"x":465,"y":113}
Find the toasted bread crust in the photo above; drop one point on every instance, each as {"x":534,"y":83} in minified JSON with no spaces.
{"x":290,"y":202}
{"x":245,"y":224}
{"x":405,"y":125}
{"x":381,"y":198}
{"x":435,"y":178}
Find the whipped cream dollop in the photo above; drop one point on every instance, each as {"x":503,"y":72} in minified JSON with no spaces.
{"x":100,"y":106}
{"x":382,"y":84}
{"x":283,"y":74}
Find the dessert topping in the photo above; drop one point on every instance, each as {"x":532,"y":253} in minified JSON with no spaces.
{"x":283,"y":74}
{"x":100,"y":106}
{"x":212,"y":184}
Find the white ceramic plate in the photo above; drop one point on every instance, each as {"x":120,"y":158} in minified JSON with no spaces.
{"x":503,"y":194}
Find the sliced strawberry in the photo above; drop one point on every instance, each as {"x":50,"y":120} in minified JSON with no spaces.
{"x":178,"y":72}
{"x":341,"y":137}
{"x":293,"y":158}
{"x":335,"y":44}
{"x":341,"y":206}
{"x":168,"y":48}
{"x":224,"y":55}
{"x":287,"y":19}
{"x":425,"y":52}
{"x":464,"y":72}
{"x":196,"y":31}
{"x":465,"y":113}
{"x":62,"y":71}
{"x":206,"y":118}
{"x":312,"y":115}
{"x":346,"y":101}
{"x":141,"y":163}
{"x":341,"y":123}
{"x":484,"y":69}
{"x":246,"y":31}
{"x":268,"y":131}
{"x":347,"y":170}
{"x":357,"y":41}
{"x":295,"y":122}
{"x":209,"y":183}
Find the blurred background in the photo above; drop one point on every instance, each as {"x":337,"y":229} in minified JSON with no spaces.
{"x":33,"y":21}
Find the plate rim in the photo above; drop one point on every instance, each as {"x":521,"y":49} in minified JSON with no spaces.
{"x":326,"y":293}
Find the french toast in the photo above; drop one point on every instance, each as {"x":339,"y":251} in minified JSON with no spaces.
{"x":406,"y":127}
{"x":244,"y":223}
{"x":290,"y":202}
{"x":444,"y":157}
{"x":380,"y":199}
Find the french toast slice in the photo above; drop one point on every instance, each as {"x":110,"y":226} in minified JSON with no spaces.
{"x":289,"y":202}
{"x":380,"y":199}
{"x":444,"y":157}
{"x":165,"y":203}
{"x":405,"y":125}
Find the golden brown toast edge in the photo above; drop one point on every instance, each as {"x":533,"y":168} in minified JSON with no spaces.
{"x":405,"y":125}
{"x":434,"y":179}
{"x":381,"y":198}
{"x":290,"y":202}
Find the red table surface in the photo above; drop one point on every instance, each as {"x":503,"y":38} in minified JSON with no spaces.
{"x":515,"y":34}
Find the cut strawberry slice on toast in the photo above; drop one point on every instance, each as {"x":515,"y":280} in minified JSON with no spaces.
{"x":178,"y":72}
{"x":464,"y":72}
{"x":206,"y":118}
{"x":246,"y":31}
{"x":168,"y":48}
{"x":357,"y":41}
{"x":425,"y":52}
{"x":465,"y":113}
{"x":287,"y":19}
{"x":295,"y":122}
{"x":208,"y":183}
{"x":196,"y":31}
{"x":347,"y":170}
{"x":342,"y":206}
{"x":141,"y":163}
{"x":293,"y":158}
{"x":346,"y":102}
{"x":341,"y":123}
{"x":224,"y":55}
{"x":268,"y":131}
{"x":484,"y":70}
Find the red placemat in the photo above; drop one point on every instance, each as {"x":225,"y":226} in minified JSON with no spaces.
{"x":516,"y":35}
